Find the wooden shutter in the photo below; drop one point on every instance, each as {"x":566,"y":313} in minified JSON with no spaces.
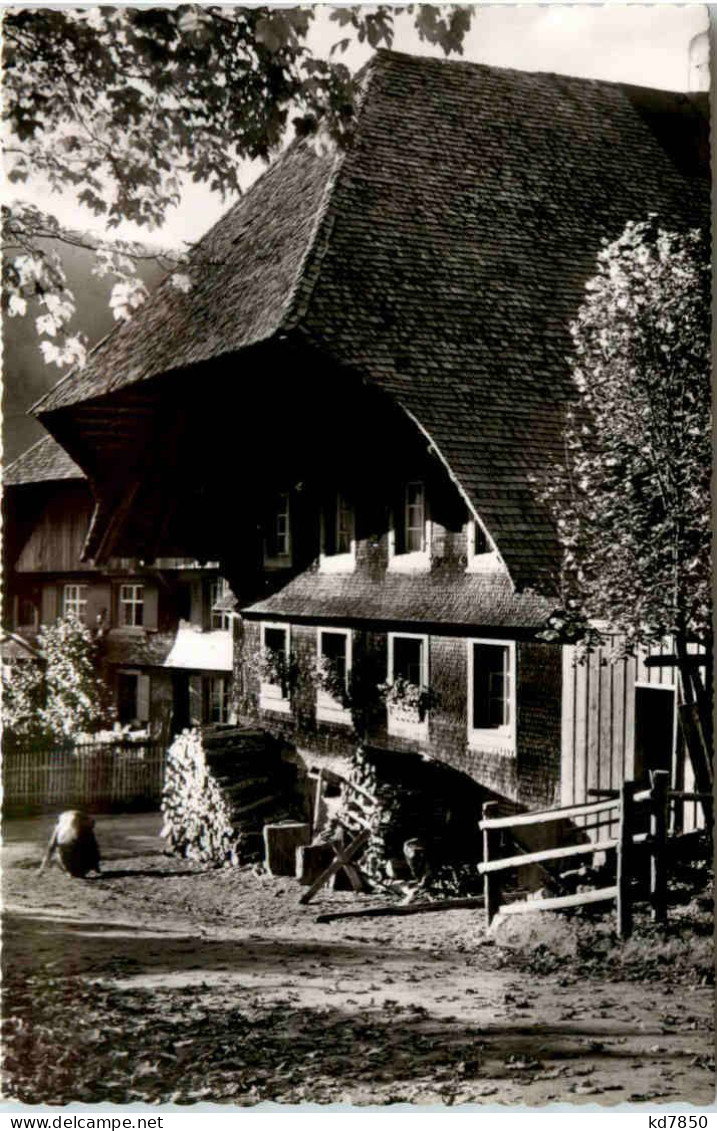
{"x":143,"y":698}
{"x":196,"y":701}
{"x":51,"y":603}
{"x":150,"y":606}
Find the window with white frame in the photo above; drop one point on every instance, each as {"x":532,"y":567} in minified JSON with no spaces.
{"x":409,"y":542}
{"x":131,"y":605}
{"x":74,"y":602}
{"x":491,"y":694}
{"x":217,"y":699}
{"x":338,"y":542}
{"x":275,"y":690}
{"x":333,"y":648}
{"x":277,"y":544}
{"x":407,"y":684}
{"x":219,"y":595}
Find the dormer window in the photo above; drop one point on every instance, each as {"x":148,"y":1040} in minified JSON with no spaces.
{"x":338,"y":540}
{"x":409,"y":541}
{"x":277,"y":544}
{"x":219,"y":597}
{"x":414,"y":518}
{"x":481,"y":554}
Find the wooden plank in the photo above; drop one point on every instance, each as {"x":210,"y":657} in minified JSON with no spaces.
{"x":592,"y":776}
{"x":542,"y":816}
{"x":567,"y":729}
{"x":547,"y":854}
{"x":581,"y":732}
{"x":618,"y":730}
{"x":425,"y":906}
{"x":687,"y":795}
{"x":604,"y":766}
{"x":628,"y":768}
{"x":255,"y":805}
{"x":600,"y":895}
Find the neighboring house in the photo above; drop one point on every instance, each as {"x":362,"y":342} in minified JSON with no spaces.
{"x":166,"y":642}
{"x":350,"y":407}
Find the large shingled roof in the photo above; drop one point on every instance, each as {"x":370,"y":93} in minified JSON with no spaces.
{"x":44,"y":462}
{"x":442,"y":257}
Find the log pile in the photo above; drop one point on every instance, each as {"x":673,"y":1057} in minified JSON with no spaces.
{"x":403,"y":798}
{"x":221,"y":785}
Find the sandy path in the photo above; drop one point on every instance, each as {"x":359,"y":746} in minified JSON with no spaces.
{"x":217,"y":985}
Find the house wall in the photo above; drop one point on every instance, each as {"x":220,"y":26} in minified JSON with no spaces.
{"x":528,"y":775}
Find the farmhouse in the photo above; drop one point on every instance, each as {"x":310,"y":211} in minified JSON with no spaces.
{"x":350,"y":408}
{"x":166,"y":642}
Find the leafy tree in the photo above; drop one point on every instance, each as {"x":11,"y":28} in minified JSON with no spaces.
{"x":632,"y":498}
{"x":123,"y":104}
{"x":59,"y":695}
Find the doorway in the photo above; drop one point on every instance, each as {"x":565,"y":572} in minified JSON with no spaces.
{"x":654,"y":730}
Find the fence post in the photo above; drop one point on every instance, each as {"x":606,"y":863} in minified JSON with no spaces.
{"x":659,"y":781}
{"x":624,"y":859}
{"x":491,"y":883}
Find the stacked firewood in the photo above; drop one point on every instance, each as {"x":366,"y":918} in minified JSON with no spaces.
{"x":423,"y":826}
{"x":221,"y":785}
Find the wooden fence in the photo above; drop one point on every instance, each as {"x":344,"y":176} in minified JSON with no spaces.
{"x":629,"y":805}
{"x":97,"y":777}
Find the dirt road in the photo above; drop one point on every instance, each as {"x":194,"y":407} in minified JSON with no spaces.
{"x":163,"y":983}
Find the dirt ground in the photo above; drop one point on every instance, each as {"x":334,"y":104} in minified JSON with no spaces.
{"x":162,"y":982}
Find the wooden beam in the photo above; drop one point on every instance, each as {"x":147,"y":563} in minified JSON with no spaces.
{"x":404,"y":909}
{"x":600,"y":895}
{"x":543,"y":816}
{"x":547,"y":854}
{"x":670,"y":660}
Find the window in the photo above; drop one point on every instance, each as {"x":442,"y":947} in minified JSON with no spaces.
{"x":481,"y":555}
{"x":275,"y":690}
{"x":277,"y":546}
{"x":338,"y":543}
{"x":333,"y":648}
{"x":409,"y":542}
{"x":74,"y":602}
{"x":131,"y":606}
{"x":219,"y":596}
{"x":491,"y":691}
{"x":217,"y":699}
{"x":132,"y":698}
{"x":407,"y":678}
{"x":414,"y":518}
